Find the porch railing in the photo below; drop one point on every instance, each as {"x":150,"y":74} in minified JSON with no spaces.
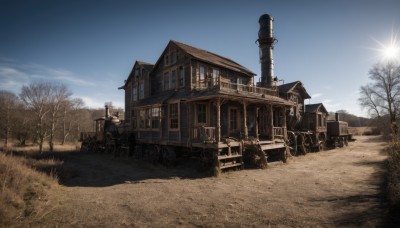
{"x":203,"y":134}
{"x":280,"y":132}
{"x":229,"y":86}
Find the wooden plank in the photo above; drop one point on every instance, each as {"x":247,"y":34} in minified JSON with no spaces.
{"x":230,"y":165}
{"x":231,"y":156}
{"x":272,"y":146}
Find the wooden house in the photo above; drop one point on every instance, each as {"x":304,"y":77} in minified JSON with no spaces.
{"x":195,"y":99}
{"x":315,"y":119}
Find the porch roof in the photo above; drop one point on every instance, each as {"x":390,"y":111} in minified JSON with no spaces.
{"x":256,"y":99}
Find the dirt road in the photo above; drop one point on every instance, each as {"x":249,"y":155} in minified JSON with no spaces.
{"x":339,"y":187}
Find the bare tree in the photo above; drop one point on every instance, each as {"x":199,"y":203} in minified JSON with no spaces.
{"x":36,"y":97}
{"x":70,"y":117}
{"x":59,"y":95}
{"x":382,"y":96}
{"x":9,"y":105}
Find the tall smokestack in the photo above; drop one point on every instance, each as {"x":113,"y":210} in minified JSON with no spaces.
{"x":266,"y":42}
{"x":107,"y":111}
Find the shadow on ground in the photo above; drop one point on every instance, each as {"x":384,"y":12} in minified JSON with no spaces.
{"x":100,"y":170}
{"x":370,"y":209}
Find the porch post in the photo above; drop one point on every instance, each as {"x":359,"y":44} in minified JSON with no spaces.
{"x":270,"y":121}
{"x":284,"y":123}
{"x":218,"y":106}
{"x":246,"y":133}
{"x":256,"y":125}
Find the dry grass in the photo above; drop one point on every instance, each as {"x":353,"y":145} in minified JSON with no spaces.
{"x":356,"y":131}
{"x":394,"y":175}
{"x":22,"y":186}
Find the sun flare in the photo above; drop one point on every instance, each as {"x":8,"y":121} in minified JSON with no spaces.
{"x":391,"y":52}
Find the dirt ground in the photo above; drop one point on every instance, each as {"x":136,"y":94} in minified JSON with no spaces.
{"x":342,"y":187}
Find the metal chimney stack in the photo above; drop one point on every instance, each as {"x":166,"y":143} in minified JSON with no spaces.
{"x":266,"y":42}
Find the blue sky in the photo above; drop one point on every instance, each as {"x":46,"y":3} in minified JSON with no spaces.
{"x":91,"y":46}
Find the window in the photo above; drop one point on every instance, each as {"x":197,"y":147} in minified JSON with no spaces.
{"x":142,"y":118}
{"x":141,"y":90}
{"x":166,"y":80}
{"x":215,"y":76}
{"x":173,"y":56}
{"x":133,"y":120}
{"x":240,"y":81}
{"x":174,"y":116}
{"x":201,"y":113}
{"x":134,"y":94}
{"x":233,"y":119}
{"x":155,"y":118}
{"x":166,"y":59}
{"x":173,"y":80}
{"x":137,"y":71}
{"x":202,"y":76}
{"x":143,"y":73}
{"x":181,"y":77}
{"x":148,"y":118}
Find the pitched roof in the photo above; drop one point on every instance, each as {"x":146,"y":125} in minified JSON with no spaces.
{"x":289,"y":87}
{"x":147,"y":66}
{"x":313,"y":108}
{"x":212,"y":58}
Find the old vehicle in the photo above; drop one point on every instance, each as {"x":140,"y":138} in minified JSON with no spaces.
{"x":111,"y":135}
{"x":338,"y":133}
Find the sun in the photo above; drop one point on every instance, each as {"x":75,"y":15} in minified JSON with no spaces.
{"x":391,"y":52}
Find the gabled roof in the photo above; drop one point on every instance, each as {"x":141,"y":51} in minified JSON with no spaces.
{"x":289,"y":87}
{"x":147,"y":66}
{"x":313,"y":108}
{"x":208,"y":57}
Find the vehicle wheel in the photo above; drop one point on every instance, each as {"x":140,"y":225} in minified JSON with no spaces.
{"x":292,"y":143}
{"x":341,"y":142}
{"x":84,"y":147}
{"x":346,"y":142}
{"x":301,"y":144}
{"x":284,"y":155}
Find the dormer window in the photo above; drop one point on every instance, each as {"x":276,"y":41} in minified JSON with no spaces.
{"x":166,"y":59}
{"x":173,"y":56}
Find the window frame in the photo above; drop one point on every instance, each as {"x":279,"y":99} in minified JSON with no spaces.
{"x":236,"y":119}
{"x":197,"y":112}
{"x":173,"y":117}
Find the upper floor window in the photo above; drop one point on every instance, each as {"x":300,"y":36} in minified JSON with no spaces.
{"x":166,"y":59}
{"x":134,"y":93}
{"x":215,"y":76}
{"x":137,"y":71}
{"x":202,"y":76}
{"x":181,"y":77}
{"x":166,"y":80}
{"x":240,"y":81}
{"x":173,"y":57}
{"x":141,"y":90}
{"x":173,"y":79}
